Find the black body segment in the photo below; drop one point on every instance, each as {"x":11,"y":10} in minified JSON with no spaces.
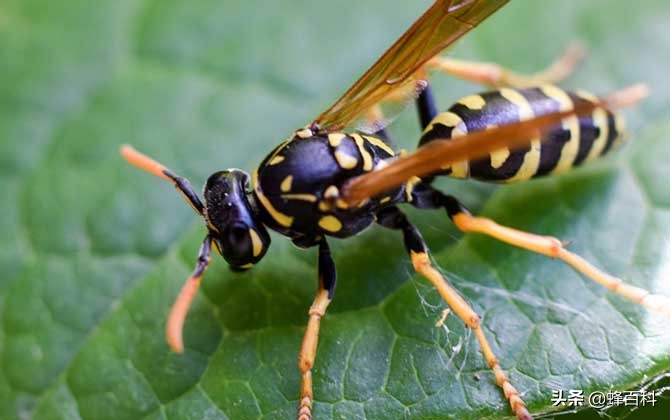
{"x":576,"y":141}
{"x":298,"y":185}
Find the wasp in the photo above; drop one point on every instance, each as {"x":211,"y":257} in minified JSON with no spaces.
{"x":327,"y":180}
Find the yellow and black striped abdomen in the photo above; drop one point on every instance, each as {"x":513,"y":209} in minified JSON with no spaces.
{"x":575,"y":141}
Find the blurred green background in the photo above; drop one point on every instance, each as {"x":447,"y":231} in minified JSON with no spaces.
{"x":92,"y":251}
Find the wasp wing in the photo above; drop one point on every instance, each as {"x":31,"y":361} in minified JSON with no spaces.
{"x":440,"y":26}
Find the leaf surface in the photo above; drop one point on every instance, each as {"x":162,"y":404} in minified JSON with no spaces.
{"x":93,"y":252}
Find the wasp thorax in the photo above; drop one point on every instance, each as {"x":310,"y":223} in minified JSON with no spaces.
{"x":234,"y":224}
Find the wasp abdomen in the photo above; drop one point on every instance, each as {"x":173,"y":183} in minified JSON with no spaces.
{"x":575,"y":141}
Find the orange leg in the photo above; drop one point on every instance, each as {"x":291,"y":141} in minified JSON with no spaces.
{"x":425,"y":196}
{"x":494,"y":75}
{"x":394,"y":219}
{"x":179,"y":310}
{"x":324,"y":295}
{"x":553,"y":248}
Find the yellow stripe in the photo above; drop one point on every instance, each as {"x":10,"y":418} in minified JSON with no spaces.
{"x":474,"y":102}
{"x":599,"y":120}
{"x":367,"y":158}
{"x":571,"y":148}
{"x":379,"y":143}
{"x":447,"y":118}
{"x":522,"y":104}
{"x":302,"y":197}
{"x":530,"y":165}
{"x":531,"y":159}
{"x":279,"y":217}
{"x":450,"y":119}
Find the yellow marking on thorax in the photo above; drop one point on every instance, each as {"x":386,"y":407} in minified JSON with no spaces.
{"x":531,"y":159}
{"x":379,"y":143}
{"x":302,"y":197}
{"x":334,"y":139}
{"x":474,"y":102}
{"x":274,"y":158}
{"x":278,"y":216}
{"x":331,"y":192}
{"x":285,"y":185}
{"x":304,"y":133}
{"x":346,"y":161}
{"x":571,"y":148}
{"x":330,"y":223}
{"x":256,"y":243}
{"x":367,"y":158}
{"x":384,"y":200}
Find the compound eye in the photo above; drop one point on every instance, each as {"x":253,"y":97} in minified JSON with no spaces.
{"x":238,"y":238}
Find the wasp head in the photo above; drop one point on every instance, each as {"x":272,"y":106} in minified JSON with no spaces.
{"x":233,"y":221}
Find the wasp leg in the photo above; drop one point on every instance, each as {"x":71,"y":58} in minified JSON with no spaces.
{"x":146,"y":163}
{"x":324,"y":295}
{"x":425,"y":105}
{"x":492,"y":74}
{"x":552,"y":247}
{"x":177,"y":316}
{"x":393,"y":218}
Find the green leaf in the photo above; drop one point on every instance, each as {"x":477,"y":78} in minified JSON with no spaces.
{"x":93,"y":252}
